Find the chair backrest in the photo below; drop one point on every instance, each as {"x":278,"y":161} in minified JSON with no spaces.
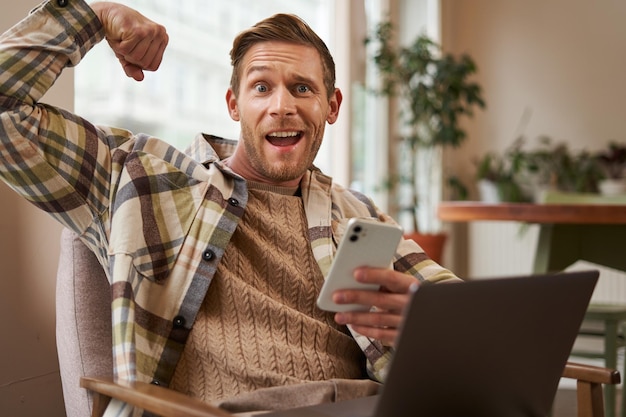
{"x":83,"y":303}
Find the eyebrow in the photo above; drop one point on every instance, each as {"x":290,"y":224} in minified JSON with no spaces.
{"x":262,"y":68}
{"x":257,"y":68}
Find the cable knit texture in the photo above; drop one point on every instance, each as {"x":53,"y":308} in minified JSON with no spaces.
{"x":259,"y":325}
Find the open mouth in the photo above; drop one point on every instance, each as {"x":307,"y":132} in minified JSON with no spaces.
{"x":287,"y":138}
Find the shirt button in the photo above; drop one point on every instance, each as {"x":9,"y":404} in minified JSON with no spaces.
{"x":208,"y":254}
{"x":62,"y":3}
{"x":233,"y":202}
{"x":179,"y":321}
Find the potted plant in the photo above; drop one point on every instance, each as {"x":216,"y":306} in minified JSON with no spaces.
{"x":434,"y":91}
{"x":521,"y":174}
{"x":497,"y":176}
{"x":612,"y":161}
{"x":554,"y":166}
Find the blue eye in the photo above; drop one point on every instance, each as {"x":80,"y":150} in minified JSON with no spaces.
{"x":261,"y":88}
{"x":303,"y":88}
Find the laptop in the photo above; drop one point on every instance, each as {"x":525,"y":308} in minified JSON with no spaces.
{"x":484,"y":348}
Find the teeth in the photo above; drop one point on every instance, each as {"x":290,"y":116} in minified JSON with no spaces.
{"x":283,"y":134}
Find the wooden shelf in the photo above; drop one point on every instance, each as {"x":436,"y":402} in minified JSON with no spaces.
{"x":464,"y":211}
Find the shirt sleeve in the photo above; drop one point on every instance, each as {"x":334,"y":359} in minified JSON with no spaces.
{"x":55,"y":159}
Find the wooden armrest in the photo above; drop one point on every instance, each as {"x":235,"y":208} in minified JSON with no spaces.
{"x":591,"y":373}
{"x":169,"y":403}
{"x":589,"y":397}
{"x":159,"y":400}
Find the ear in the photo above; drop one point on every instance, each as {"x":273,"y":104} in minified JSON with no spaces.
{"x":334,"y":104}
{"x":231,"y":102}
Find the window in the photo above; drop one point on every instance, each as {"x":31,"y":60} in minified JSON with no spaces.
{"x":375,"y":152}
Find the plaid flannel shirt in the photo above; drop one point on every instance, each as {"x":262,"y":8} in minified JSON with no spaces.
{"x":158,"y":219}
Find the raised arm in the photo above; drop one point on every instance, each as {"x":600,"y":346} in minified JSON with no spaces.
{"x":55,"y":159}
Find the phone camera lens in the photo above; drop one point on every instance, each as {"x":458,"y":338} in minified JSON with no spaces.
{"x":357,"y":229}
{"x":354,"y":238}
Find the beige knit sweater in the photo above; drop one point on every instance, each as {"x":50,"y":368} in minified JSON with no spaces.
{"x":259,"y":325}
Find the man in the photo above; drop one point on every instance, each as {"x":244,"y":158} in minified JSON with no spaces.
{"x":215,"y":256}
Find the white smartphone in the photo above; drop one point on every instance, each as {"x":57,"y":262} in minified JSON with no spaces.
{"x":365,"y":243}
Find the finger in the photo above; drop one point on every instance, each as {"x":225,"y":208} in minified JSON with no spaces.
{"x":386,"y":336}
{"x":131,"y":70}
{"x":381,"y":326}
{"x":134,"y":72}
{"x":147,"y":53}
{"x":157,"y":56}
{"x":383,"y":320}
{"x":391,"y":280}
{"x":381,"y":299}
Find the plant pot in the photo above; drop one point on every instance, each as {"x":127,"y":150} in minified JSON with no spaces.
{"x":432,"y":243}
{"x":612,"y":186}
{"x":488,"y":192}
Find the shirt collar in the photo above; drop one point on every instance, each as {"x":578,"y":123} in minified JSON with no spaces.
{"x":207,"y":149}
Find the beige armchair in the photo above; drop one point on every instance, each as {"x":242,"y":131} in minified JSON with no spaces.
{"x":84,"y":346}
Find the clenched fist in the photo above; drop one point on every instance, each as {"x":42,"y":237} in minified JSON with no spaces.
{"x":138,"y":42}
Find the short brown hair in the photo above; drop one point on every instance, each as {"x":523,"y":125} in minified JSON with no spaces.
{"x":284,"y":28}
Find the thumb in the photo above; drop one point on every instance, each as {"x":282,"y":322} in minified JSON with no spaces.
{"x":131,"y":70}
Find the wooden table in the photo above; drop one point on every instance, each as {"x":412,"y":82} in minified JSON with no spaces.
{"x":568,"y":232}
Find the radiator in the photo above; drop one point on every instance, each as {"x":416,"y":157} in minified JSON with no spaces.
{"x":508,"y":248}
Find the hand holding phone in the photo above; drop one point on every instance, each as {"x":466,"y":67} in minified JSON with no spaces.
{"x":365,"y":243}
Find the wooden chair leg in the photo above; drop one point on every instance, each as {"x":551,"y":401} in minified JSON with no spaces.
{"x":590,"y":399}
{"x":100,"y":403}
{"x":610,"y":361}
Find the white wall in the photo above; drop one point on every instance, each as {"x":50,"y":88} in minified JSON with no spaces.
{"x":29,"y":380}
{"x":561,"y":60}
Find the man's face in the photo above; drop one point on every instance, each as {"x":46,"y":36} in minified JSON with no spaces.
{"x":282,"y":108}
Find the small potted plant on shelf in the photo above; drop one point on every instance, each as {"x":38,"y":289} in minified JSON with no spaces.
{"x":497,"y":176}
{"x":612,"y":161}
{"x":434,"y":91}
{"x":525,"y":174}
{"x":556,"y":167}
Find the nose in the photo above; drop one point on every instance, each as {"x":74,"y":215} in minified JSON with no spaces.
{"x":282,"y":102}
